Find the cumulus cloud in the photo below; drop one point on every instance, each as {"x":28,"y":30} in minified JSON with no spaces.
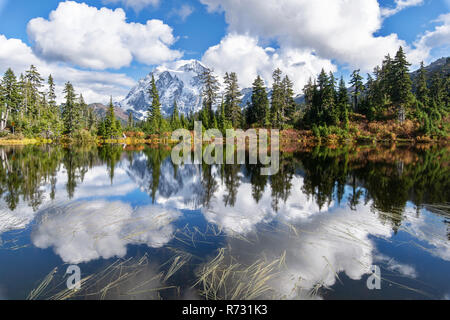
{"x":322,"y":247}
{"x":439,"y":37}
{"x":100,"y":38}
{"x":243,"y":54}
{"x":85,"y":231}
{"x":137,"y":5}
{"x":333,"y":29}
{"x":399,"y":6}
{"x":96,"y":86}
{"x":246,"y":213}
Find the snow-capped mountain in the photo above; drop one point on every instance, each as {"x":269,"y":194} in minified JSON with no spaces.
{"x":179,"y":81}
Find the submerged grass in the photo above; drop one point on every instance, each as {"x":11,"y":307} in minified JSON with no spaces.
{"x":133,"y":278}
{"x":225,"y":279}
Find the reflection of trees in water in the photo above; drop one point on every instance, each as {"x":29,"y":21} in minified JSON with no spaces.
{"x":155,"y":157}
{"x":232,"y":182}
{"x":423,"y":180}
{"x":209,"y":184}
{"x":24,"y":170}
{"x":387,"y":179}
{"x":281,"y":183}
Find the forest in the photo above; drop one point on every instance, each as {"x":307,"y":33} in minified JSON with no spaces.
{"x":388,"y":104}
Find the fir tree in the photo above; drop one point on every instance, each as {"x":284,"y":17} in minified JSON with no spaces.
{"x":210,"y":92}
{"x":277,"y":105}
{"x":70,"y":113}
{"x":422,"y":92}
{"x":259,"y":110}
{"x":401,"y":83}
{"x":358,"y":88}
{"x":233,"y":110}
{"x":342,"y":103}
{"x":154,"y":111}
{"x":175,"y":122}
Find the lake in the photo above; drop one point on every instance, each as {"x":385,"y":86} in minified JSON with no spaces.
{"x":329,"y":224}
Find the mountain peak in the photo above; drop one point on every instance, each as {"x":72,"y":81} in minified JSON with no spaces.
{"x":178,"y":81}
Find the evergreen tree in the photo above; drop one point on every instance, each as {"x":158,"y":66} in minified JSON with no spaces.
{"x":259,"y":110}
{"x":343,"y":104}
{"x":10,"y":97}
{"x":358,"y":88}
{"x":210,"y":92}
{"x":112,"y":128}
{"x":51,"y":93}
{"x":83,"y":107}
{"x":33,"y":91}
{"x":422,"y":92}
{"x":278,"y":102}
{"x":233,"y":110}
{"x":130,"y":121}
{"x":154,"y":111}
{"x":289,"y":104}
{"x":71,"y":112}
{"x":175,"y":122}
{"x":401,"y":83}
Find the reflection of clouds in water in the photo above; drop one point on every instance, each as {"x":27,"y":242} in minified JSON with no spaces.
{"x":323,"y":244}
{"x":16,"y":220}
{"x":394,"y":266}
{"x":430,"y":229}
{"x":321,"y":247}
{"x":96,"y":183}
{"x":246,"y":213}
{"x":84,"y":231}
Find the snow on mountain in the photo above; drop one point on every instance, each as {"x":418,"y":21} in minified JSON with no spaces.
{"x":179,"y":81}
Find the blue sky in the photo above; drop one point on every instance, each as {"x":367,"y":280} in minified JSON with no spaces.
{"x":105,"y":46}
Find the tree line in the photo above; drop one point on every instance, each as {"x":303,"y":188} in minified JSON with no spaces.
{"x":28,"y":104}
{"x":388,"y":93}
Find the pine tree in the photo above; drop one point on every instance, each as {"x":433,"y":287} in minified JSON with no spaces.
{"x":422,"y":92}
{"x":401,"y":83}
{"x":175,"y":122}
{"x":259,"y":109}
{"x":342,"y":103}
{"x":70,"y":113}
{"x":34,"y":85}
{"x":437,"y":90}
{"x":83,"y":107}
{"x":289,"y":105}
{"x":358,"y":88}
{"x":130,"y":121}
{"x":233,"y":110}
{"x":210,"y":92}
{"x":154,"y":111}
{"x":111,"y":124}
{"x":277,"y":105}
{"x":51,"y":93}
{"x":10,"y":97}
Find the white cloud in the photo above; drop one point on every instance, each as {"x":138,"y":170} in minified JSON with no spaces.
{"x":137,"y":5}
{"x":243,"y":55}
{"x":399,"y":6}
{"x":182,"y":12}
{"x":100,"y":38}
{"x":85,"y":231}
{"x":439,"y":37}
{"x":334,"y":29}
{"x":96,"y":86}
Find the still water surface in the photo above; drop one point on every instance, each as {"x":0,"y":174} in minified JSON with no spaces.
{"x":141,"y":228}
